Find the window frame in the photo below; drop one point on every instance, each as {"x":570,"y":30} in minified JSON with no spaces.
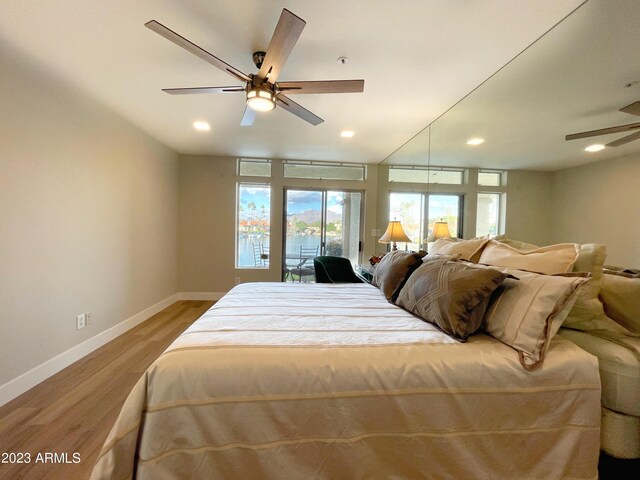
{"x":335,"y":165}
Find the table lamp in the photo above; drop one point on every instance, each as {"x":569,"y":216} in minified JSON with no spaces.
{"x":440,"y":230}
{"x":395,"y":233}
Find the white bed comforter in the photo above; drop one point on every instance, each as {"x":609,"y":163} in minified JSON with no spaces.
{"x":290,"y":381}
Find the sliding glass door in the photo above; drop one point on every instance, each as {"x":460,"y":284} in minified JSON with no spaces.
{"x":319,"y":222}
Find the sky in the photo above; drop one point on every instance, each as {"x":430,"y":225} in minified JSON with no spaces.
{"x":297,"y":200}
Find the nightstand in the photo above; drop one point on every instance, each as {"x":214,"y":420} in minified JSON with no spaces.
{"x":365,"y":272}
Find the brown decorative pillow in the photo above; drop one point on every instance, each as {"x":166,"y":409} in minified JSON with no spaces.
{"x":393,"y":270}
{"x":451,"y":295}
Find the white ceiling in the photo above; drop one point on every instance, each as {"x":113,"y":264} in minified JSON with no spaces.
{"x":574,"y":79}
{"x":418,"y":58}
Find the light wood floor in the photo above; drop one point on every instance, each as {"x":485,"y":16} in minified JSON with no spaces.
{"x":74,"y":410}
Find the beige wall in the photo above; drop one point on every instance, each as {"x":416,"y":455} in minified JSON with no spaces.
{"x":207,"y":221}
{"x":88,"y":217}
{"x":600,"y":202}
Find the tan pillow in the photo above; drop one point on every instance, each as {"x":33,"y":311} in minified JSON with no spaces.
{"x":548,"y":260}
{"x":588,"y":312}
{"x":621,"y":298}
{"x":526,"y":313}
{"x":450,"y":295}
{"x":393,"y":270}
{"x":515,"y":243}
{"x":467,"y":249}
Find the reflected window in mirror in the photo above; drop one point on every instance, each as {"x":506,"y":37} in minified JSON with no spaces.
{"x":408,"y":208}
{"x":447,"y":208}
{"x":418,"y":213}
{"x":491,"y":178}
{"x":433,"y":175}
{"x":490,"y":214}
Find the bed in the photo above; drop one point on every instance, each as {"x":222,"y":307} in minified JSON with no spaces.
{"x":331,"y":381}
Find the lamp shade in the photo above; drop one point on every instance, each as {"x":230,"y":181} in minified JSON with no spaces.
{"x":440,"y":230}
{"x":394,"y":233}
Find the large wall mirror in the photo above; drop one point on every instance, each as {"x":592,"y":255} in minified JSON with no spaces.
{"x":574,"y":78}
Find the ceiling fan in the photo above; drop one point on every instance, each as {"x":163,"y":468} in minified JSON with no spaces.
{"x":633,"y":109}
{"x":262,"y":90}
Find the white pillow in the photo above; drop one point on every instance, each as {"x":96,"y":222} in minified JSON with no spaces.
{"x":548,"y":260}
{"x":466,"y":249}
{"x":526,"y":313}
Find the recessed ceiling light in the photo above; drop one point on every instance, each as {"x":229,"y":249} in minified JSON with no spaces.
{"x":201,"y":126}
{"x":475,"y":141}
{"x":347,"y":134}
{"x":596,"y":147}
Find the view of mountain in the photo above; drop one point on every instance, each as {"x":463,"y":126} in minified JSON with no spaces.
{"x":311,"y":216}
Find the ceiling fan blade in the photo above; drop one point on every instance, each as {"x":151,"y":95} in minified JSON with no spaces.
{"x":284,"y":39}
{"x":623,"y":140}
{"x":192,"y":90}
{"x":299,"y":111}
{"x":323,"y":86}
{"x":248,"y":116}
{"x":603,"y":131}
{"x":195,"y":49}
{"x":633,"y":109}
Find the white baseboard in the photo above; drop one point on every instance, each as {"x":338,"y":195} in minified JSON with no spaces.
{"x":30,"y":379}
{"x":211,"y":296}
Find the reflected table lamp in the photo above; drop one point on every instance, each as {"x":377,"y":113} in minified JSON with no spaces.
{"x":395,"y":233}
{"x":440,"y":230}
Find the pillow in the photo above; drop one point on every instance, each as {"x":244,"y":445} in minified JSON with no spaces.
{"x":433,"y":256}
{"x":467,"y":249}
{"x":393,"y":270}
{"x":450,"y":295}
{"x":548,"y":260}
{"x":621,"y":298}
{"x":588,"y":312}
{"x":515,"y":243}
{"x":526,"y":313}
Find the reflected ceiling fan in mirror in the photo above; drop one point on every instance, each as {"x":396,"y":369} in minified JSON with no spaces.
{"x":633,"y":109}
{"x":263,"y":91}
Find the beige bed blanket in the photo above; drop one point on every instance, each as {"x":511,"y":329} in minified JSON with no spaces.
{"x":324,"y":381}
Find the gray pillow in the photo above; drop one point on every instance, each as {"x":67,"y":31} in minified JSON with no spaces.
{"x":393,"y":270}
{"x":451,"y":295}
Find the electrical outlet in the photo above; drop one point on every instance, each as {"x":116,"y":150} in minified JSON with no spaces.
{"x":88,"y":318}
{"x":237,"y":280}
{"x":81,"y":321}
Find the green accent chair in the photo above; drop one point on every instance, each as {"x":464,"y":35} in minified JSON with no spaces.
{"x":334,"y":270}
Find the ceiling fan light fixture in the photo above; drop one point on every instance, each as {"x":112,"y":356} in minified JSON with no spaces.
{"x":596,"y":147}
{"x":261,"y":100}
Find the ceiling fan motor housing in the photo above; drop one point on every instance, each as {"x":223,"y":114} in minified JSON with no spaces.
{"x":258,"y":58}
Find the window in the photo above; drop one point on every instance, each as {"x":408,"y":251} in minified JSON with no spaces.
{"x":254,"y":167}
{"x":253,"y":225}
{"x":409,"y":174}
{"x":409,"y":209}
{"x":419,"y":211}
{"x":446,"y":208}
{"x":489,"y":214}
{"x":324,"y":170}
{"x":490,"y":178}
